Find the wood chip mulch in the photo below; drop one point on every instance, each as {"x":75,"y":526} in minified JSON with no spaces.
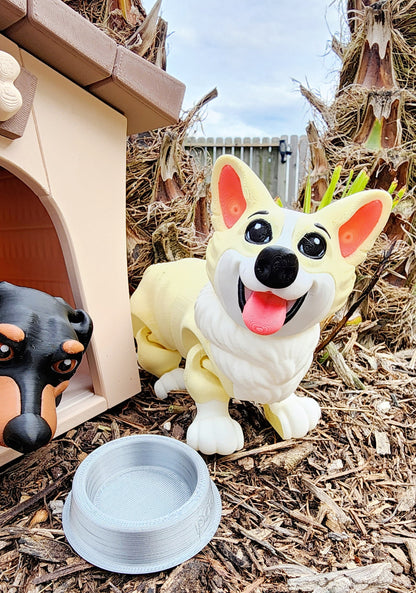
{"x":334,"y":512}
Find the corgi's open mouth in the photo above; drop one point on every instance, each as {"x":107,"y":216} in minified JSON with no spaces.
{"x":264,"y":312}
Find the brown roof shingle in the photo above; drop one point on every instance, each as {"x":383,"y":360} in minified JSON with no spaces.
{"x":62,"y":38}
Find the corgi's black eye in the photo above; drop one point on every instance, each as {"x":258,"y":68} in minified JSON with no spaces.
{"x":312,"y":245}
{"x":259,"y":231}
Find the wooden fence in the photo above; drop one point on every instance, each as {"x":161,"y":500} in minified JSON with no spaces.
{"x":281,"y":163}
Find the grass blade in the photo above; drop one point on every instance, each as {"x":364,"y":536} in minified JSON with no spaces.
{"x":329,"y":194}
{"x":359,"y":183}
{"x":307,"y":202}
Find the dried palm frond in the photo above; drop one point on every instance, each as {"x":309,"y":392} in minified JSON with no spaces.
{"x":370,"y":130}
{"x":127,"y":23}
{"x":167,"y":197}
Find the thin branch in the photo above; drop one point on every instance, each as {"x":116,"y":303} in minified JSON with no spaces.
{"x":22,"y":507}
{"x":366,"y":291}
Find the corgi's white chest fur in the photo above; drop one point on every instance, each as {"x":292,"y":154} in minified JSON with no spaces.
{"x":261,"y":369}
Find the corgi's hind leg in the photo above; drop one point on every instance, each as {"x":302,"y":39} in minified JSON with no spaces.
{"x":293,"y":417}
{"x":170,"y":381}
{"x":160,"y":361}
{"x":213,"y":430}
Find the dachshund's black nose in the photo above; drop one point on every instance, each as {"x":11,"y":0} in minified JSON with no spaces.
{"x":26,"y":433}
{"x":276,"y":267}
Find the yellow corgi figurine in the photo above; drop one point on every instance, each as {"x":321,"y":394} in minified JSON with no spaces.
{"x":247,"y":319}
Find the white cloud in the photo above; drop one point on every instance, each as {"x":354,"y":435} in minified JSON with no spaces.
{"x":251,"y":51}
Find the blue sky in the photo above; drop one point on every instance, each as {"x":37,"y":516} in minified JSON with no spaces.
{"x":251,"y":51}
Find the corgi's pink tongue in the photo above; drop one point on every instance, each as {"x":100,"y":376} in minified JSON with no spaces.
{"x":264,"y":313}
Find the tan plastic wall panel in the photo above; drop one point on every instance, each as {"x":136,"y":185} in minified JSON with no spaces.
{"x":11,"y":11}
{"x":23,"y":157}
{"x":83,"y":145}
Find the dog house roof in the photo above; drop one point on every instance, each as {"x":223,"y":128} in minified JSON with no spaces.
{"x":62,"y":38}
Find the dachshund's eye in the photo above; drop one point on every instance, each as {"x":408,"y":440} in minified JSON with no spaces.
{"x":312,"y":245}
{"x":65,"y":366}
{"x":259,"y":231}
{"x":6,"y":352}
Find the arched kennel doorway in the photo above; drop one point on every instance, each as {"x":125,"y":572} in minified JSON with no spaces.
{"x":30,"y":250}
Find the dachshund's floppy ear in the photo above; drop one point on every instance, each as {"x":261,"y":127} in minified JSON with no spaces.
{"x":80,"y":321}
{"x":82,"y":324}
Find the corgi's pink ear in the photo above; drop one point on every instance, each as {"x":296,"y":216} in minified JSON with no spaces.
{"x":236,"y":191}
{"x":353,"y":233}
{"x":356,"y":221}
{"x":232,"y":200}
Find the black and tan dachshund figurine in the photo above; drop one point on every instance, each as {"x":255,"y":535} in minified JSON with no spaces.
{"x":42,"y":341}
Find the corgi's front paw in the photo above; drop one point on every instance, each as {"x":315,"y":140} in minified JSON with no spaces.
{"x":215,"y":435}
{"x":293,"y":417}
{"x":171,"y":381}
{"x":214,"y":431}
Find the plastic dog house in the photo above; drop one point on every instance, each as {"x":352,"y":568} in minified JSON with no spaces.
{"x":62,"y":182}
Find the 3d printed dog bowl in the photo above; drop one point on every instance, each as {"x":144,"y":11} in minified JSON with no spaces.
{"x":141,"y":504}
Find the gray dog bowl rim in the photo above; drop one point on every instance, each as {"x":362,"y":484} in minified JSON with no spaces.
{"x":93,"y":556}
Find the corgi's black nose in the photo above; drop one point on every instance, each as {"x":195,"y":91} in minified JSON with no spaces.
{"x":276,"y":267}
{"x":26,"y":433}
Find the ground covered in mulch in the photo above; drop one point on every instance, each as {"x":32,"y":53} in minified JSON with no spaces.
{"x":332,"y":512}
